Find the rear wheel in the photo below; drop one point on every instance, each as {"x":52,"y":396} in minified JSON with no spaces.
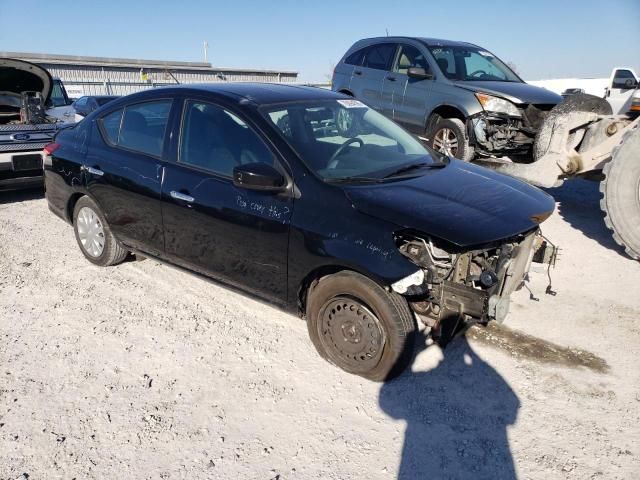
{"x":360,"y":327}
{"x":448,"y":137}
{"x":94,"y":236}
{"x":621,"y":193}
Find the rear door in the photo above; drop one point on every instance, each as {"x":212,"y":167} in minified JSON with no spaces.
{"x":123,"y":171}
{"x":411,"y":95}
{"x":212,"y":226}
{"x":369,"y":80}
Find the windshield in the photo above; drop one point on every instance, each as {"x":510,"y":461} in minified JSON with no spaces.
{"x":471,"y":64}
{"x":345,"y":139}
{"x":58,"y":95}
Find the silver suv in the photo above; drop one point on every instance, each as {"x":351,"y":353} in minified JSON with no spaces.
{"x":461,"y":97}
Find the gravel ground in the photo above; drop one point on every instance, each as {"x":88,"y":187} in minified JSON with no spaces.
{"x":144,"y":371}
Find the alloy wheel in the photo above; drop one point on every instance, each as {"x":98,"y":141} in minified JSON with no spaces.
{"x":445,"y":141}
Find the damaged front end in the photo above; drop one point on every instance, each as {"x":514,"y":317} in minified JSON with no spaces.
{"x":502,"y":134}
{"x":468,"y":286}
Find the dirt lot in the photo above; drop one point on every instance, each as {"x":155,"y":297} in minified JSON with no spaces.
{"x":144,"y":371}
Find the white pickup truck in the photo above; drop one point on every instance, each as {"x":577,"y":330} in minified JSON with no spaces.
{"x":33,"y":107}
{"x":622,"y":91}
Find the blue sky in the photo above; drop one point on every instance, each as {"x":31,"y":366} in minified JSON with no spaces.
{"x":545,"y":39}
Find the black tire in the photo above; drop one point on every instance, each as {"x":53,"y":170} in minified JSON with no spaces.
{"x":451,"y":128}
{"x":621,"y":193}
{"x":580,"y":102}
{"x":112,"y":252}
{"x":358,"y":309}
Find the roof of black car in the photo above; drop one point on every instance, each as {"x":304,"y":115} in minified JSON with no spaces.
{"x":263,"y":93}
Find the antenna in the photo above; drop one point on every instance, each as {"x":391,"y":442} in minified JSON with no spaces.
{"x":387,"y":30}
{"x":206,"y":48}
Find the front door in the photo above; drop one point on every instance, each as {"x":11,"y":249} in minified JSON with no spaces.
{"x":411,"y":97}
{"x":123,"y":171}
{"x":212,"y":226}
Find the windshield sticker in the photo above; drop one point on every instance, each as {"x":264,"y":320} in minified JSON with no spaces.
{"x":484,"y":53}
{"x":352,"y":104}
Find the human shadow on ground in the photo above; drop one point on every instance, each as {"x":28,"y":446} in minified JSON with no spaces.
{"x":456,"y":417}
{"x":579,"y":204}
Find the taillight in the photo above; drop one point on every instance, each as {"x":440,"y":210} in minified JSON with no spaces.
{"x":50,"y":148}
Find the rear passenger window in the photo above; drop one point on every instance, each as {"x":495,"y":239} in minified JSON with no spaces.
{"x":111,"y":126}
{"x":355,"y":58}
{"x":143,"y":125}
{"x":217,"y":140}
{"x":380,"y":56}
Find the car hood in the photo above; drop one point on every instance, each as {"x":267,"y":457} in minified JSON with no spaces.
{"x":515,"y":92}
{"x":461,"y":203}
{"x":17,"y":76}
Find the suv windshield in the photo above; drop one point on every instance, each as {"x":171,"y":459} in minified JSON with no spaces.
{"x":471,"y":64}
{"x":344,"y":140}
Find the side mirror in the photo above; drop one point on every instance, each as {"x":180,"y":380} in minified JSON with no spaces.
{"x":419,"y":73}
{"x":259,"y":176}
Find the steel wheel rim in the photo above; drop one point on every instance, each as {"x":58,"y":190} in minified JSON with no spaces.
{"x":351,"y":334}
{"x":90,"y":232}
{"x":446,"y":141}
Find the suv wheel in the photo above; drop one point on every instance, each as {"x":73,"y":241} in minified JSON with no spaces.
{"x":360,"y":327}
{"x":448,"y":137}
{"x":94,"y":236}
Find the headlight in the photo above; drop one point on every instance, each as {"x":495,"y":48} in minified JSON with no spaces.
{"x":498,"y":105}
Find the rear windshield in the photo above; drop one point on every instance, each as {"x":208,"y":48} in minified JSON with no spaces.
{"x":471,"y":64}
{"x":104,"y":100}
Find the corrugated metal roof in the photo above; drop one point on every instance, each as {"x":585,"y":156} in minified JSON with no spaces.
{"x":131,"y":63}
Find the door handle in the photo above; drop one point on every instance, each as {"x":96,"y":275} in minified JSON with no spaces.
{"x":181,"y":196}
{"x":391,"y":79}
{"x":357,"y":72}
{"x":94,"y":171}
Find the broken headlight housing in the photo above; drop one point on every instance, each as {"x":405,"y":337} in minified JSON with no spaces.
{"x":497,"y":105}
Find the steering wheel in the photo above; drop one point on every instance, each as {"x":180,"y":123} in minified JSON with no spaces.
{"x":332,"y":161}
{"x":478,"y":71}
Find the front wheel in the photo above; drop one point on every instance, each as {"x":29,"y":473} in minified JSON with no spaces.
{"x":360,"y":327}
{"x":94,"y":236}
{"x":448,"y":137}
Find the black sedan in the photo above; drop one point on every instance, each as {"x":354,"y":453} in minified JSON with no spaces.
{"x":306,"y":198}
{"x":85,"y":105}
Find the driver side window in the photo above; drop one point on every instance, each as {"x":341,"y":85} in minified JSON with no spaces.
{"x":217,"y":140}
{"x":410,"y":57}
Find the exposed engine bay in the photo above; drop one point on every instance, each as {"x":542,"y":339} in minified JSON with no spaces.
{"x":471,"y":286}
{"x":25,"y":90}
{"x":24,"y":108}
{"x":495,"y":133}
